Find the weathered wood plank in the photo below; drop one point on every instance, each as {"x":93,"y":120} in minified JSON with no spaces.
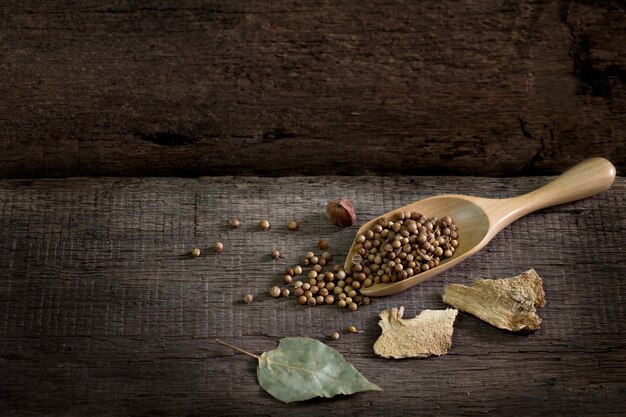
{"x":103,"y":312}
{"x":189,"y":88}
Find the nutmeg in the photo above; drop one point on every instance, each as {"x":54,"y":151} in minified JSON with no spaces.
{"x":341,"y":212}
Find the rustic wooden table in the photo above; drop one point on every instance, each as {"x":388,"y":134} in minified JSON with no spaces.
{"x":104,"y":312}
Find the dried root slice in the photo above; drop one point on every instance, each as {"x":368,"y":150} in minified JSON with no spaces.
{"x":507,"y":303}
{"x":428,"y":334}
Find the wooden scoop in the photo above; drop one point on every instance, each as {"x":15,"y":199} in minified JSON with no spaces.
{"x":478,"y":219}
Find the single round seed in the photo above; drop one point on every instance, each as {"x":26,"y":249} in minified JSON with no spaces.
{"x":309,"y":255}
{"x":353,"y":306}
{"x":319,"y":299}
{"x":297,"y":270}
{"x":298,"y":292}
{"x":275,"y":291}
{"x":329,"y":299}
{"x":314,"y":289}
{"x":308,"y":294}
{"x":322,"y":244}
{"x":275,"y":254}
{"x":311,"y":301}
{"x":352,"y":293}
{"x":292,"y":225}
{"x":314,"y":260}
{"x":447,"y":253}
{"x":301,"y":299}
{"x":327,"y":256}
{"x":341,"y":304}
{"x":352,"y":329}
{"x":234,"y":223}
{"x":323,"y":292}
{"x":306,"y":286}
{"x":287,"y":279}
{"x":312,"y":274}
{"x":248,"y":298}
{"x":285,"y":292}
{"x":334,"y":335}
{"x":218,"y":247}
{"x":264,"y":224}
{"x":321,"y":262}
{"x":289,"y":271}
{"x":195,"y":252}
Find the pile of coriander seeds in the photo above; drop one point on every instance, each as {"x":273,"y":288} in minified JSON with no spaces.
{"x":322,"y":284}
{"x":394,"y":250}
{"x":397,"y":249}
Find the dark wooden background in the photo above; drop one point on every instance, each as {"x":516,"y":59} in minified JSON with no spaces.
{"x":102,"y":312}
{"x":188,"y":88}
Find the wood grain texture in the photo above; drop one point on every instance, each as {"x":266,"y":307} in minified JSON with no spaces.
{"x":104,"y":313}
{"x":189,"y":88}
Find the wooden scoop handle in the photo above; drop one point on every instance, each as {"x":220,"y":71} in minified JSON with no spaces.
{"x":586,"y":179}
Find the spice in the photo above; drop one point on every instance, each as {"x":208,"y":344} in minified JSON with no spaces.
{"x":195,"y":252}
{"x":286,"y":292}
{"x":218,"y":247}
{"x":287,"y":279}
{"x":297,"y":270}
{"x":334,"y":335}
{"x":353,"y":329}
{"x":341,"y":212}
{"x":234,"y":223}
{"x":430,"y":333}
{"x":322,"y":244}
{"x":264,"y":224}
{"x":292,"y":225}
{"x":301,"y":300}
{"x":507,"y":303}
{"x":248,"y":298}
{"x":275,"y":254}
{"x":275,"y":291}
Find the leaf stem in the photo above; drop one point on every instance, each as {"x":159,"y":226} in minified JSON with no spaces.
{"x":238,"y":349}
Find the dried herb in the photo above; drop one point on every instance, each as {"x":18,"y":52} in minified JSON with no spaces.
{"x":507,"y":303}
{"x":301,"y":368}
{"x":428,"y":334}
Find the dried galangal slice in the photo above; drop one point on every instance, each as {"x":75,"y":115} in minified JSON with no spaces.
{"x":508,"y":303}
{"x":428,"y":334}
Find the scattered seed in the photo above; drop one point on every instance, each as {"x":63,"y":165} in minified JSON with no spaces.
{"x":195,"y":252}
{"x":218,"y":247}
{"x":264,"y":224}
{"x":334,"y":335}
{"x":275,"y":291}
{"x":248,"y":298}
{"x":234,"y":223}
{"x":275,"y":254}
{"x":292,"y":225}
{"x":322,"y":244}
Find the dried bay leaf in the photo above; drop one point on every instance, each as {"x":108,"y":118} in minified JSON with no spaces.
{"x":301,"y":368}
{"x":428,"y":334}
{"x":507,"y":303}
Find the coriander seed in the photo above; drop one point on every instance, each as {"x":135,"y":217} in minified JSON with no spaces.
{"x":322,"y":244}
{"x":298,"y":292}
{"x":292,"y":225}
{"x":309,"y":255}
{"x":264,"y":224}
{"x":311,"y":301}
{"x":319,"y":299}
{"x":301,"y":300}
{"x":329,"y":299}
{"x":195,"y":252}
{"x":248,"y":298}
{"x":353,"y":306}
{"x":287,"y":279}
{"x":234,"y":223}
{"x":285,"y":292}
{"x":289,"y":271}
{"x":334,"y":335}
{"x":275,"y":291}
{"x":341,"y":304}
{"x":353,"y":329}
{"x":218,"y":247}
{"x":297,"y":270}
